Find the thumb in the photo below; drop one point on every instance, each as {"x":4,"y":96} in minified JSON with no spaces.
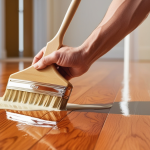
{"x":47,"y":60}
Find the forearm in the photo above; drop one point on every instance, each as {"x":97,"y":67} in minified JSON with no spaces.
{"x":122,"y":17}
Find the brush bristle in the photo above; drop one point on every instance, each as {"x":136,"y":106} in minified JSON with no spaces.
{"x":34,"y":99}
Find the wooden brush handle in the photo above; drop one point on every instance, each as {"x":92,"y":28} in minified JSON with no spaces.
{"x":50,"y":74}
{"x":67,"y":19}
{"x":58,"y":39}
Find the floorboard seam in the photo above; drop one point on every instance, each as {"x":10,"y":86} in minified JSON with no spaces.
{"x":106,"y":118}
{"x":47,"y":132}
{"x":93,"y":86}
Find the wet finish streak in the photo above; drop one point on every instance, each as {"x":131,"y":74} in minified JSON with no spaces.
{"x":124,"y":126}
{"x":133,"y":108}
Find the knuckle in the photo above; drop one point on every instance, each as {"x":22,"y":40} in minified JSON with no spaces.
{"x":36,"y":58}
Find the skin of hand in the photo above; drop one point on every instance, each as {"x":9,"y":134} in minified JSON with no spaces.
{"x":122,"y":17}
{"x":68,"y":60}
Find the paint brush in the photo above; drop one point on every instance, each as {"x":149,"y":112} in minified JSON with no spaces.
{"x":46,"y":87}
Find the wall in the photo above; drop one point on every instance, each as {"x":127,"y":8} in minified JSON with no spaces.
{"x":48,"y":15}
{"x":144,"y":40}
{"x":87,"y":18}
{"x":39,"y":24}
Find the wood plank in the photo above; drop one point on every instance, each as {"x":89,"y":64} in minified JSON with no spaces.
{"x":90,"y":79}
{"x":125,"y":133}
{"x":105,"y":90}
{"x":77,"y":131}
{"x":17,"y":135}
{"x":4,"y":123}
{"x":2,"y":111}
{"x":128,"y":131}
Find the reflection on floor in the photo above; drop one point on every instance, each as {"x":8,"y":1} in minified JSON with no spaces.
{"x":117,"y":128}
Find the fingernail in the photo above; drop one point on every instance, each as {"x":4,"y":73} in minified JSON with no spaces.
{"x":36,"y":66}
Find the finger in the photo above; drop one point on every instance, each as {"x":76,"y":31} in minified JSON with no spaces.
{"x":47,"y":60}
{"x":38,"y":56}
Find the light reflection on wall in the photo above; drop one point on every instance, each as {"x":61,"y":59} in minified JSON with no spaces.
{"x":21,"y":26}
{"x":125,"y":91}
{"x":21,"y":66}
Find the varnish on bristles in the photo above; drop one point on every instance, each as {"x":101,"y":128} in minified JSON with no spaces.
{"x":35,"y":99}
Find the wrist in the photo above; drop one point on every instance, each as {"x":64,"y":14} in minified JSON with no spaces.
{"x":91,"y":48}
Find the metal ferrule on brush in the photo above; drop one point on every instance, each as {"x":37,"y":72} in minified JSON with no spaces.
{"x":40,"y":88}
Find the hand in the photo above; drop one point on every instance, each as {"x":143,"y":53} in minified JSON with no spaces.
{"x":69,"y":61}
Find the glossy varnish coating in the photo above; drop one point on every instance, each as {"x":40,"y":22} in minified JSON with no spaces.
{"x":88,"y":129}
{"x":127,"y":131}
{"x":79,"y":130}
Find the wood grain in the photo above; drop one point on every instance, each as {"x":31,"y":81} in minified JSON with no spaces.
{"x":89,"y":77}
{"x":125,"y":133}
{"x":2,"y":111}
{"x":17,"y":135}
{"x":128,"y":132}
{"x":79,"y":130}
{"x":104,"y":91}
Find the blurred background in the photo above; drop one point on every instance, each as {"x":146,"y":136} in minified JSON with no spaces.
{"x":27,"y":25}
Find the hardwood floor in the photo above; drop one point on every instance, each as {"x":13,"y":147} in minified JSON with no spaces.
{"x":126,"y":131}
{"x":105,"y":82}
{"x":79,"y":130}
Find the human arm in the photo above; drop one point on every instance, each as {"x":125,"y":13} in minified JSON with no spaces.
{"x":122,"y":17}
